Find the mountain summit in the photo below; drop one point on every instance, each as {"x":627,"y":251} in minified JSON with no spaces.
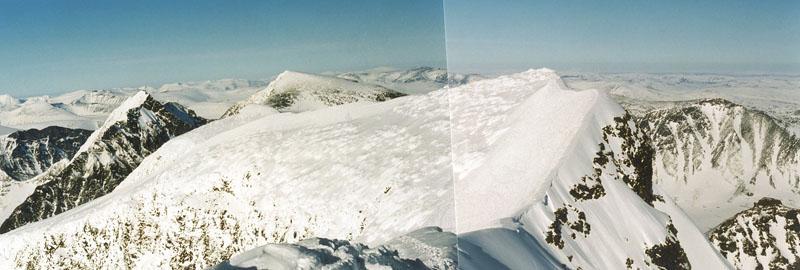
{"x":139,"y":126}
{"x":298,"y":92}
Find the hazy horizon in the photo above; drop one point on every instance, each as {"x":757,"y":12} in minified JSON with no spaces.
{"x":53,"y":47}
{"x":56,"y":47}
{"x":624,"y":36}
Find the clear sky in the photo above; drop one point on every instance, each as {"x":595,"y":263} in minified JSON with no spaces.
{"x":54,"y":46}
{"x":653,"y":36}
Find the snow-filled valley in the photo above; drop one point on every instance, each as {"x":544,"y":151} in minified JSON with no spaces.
{"x":407,"y":169}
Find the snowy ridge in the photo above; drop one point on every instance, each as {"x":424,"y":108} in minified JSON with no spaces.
{"x":117,"y":115}
{"x":298,"y":92}
{"x":134,"y":130}
{"x":716,"y":158}
{"x":560,"y":199}
{"x":558,"y":179}
{"x":270,"y":165}
{"x":766,"y":236}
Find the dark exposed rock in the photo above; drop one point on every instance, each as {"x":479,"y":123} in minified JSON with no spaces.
{"x":719,"y":130}
{"x":25,"y":154}
{"x":669,"y":254}
{"x":637,"y":152}
{"x":106,"y":162}
{"x":761,"y":231}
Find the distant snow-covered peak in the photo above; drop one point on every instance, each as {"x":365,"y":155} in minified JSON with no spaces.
{"x":7,"y":101}
{"x":411,"y":81}
{"x":293,"y":91}
{"x":119,"y":114}
{"x":210,"y":85}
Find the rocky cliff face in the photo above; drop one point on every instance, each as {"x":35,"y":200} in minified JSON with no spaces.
{"x":714,"y":154}
{"x":140,"y":127}
{"x":25,"y":154}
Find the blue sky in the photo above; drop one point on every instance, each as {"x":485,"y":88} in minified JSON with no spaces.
{"x":54,"y":46}
{"x":48,"y":47}
{"x":653,"y":36}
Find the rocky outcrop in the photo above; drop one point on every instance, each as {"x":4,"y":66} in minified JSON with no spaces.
{"x":25,"y":154}
{"x":110,"y":154}
{"x":766,"y":236}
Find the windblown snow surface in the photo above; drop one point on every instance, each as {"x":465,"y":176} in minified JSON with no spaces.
{"x":545,"y":177}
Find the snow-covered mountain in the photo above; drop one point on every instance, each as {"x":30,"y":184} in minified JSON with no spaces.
{"x":715,"y":158}
{"x":776,"y":95}
{"x":209,"y":99}
{"x":138,"y":127}
{"x":363,"y":174}
{"x":88,"y":109}
{"x":80,"y":109}
{"x":766,"y":236}
{"x":298,"y":92}
{"x":411,"y":81}
{"x":25,"y":154}
{"x":8,"y":102}
{"x":547,"y":177}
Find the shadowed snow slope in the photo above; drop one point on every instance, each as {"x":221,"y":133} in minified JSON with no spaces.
{"x":298,"y":92}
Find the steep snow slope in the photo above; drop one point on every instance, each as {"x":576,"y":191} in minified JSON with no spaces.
{"x":139,"y":126}
{"x":715,"y":158}
{"x":25,"y":154}
{"x":411,"y":81}
{"x":362,"y":172}
{"x":299,"y":92}
{"x":372,"y":172}
{"x":547,"y":177}
{"x":766,"y":236}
